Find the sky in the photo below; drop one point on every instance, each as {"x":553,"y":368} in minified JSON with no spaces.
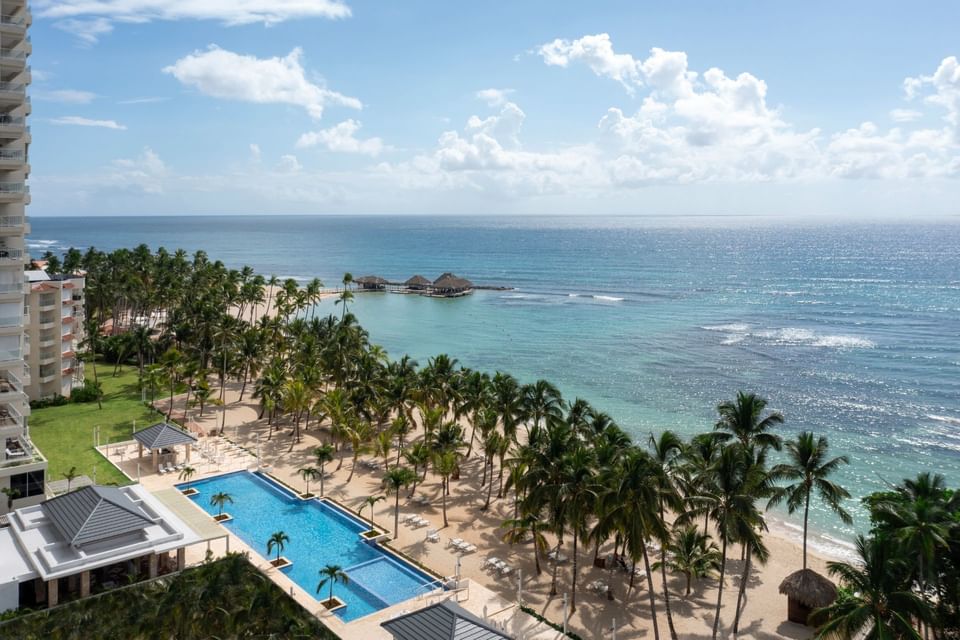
{"x":147,"y":107}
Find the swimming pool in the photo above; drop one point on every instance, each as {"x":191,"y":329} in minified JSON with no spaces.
{"x":320,"y":533}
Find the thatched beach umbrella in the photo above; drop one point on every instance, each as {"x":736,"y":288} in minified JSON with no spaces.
{"x":449,"y":283}
{"x":417,"y":282}
{"x":806,"y":590}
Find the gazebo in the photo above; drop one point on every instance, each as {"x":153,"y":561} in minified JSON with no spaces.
{"x":806,"y":590}
{"x":417,"y":283}
{"x":450,"y":285}
{"x":371,"y":283}
{"x":161,"y":438}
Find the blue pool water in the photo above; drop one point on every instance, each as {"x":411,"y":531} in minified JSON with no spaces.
{"x":320,"y":534}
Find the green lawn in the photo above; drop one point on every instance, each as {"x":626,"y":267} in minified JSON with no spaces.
{"x":65,"y":434}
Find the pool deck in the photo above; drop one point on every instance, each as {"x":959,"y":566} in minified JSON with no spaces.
{"x":472,"y":595}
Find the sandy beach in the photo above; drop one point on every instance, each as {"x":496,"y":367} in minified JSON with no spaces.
{"x":764,"y":614}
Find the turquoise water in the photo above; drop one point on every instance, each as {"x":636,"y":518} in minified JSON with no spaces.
{"x":852,"y":330}
{"x":320,"y":534}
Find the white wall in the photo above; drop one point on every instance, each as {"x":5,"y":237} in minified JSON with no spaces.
{"x":9,"y":596}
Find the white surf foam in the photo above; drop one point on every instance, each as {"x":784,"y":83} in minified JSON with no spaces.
{"x":946,"y":419}
{"x":608,"y":298}
{"x":736,"y":326}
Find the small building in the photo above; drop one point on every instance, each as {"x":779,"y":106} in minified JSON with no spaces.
{"x":53,"y":319}
{"x":442,"y":621}
{"x":161,"y":441}
{"x":417,"y":283}
{"x":89,"y":540}
{"x":806,"y":590}
{"x":449,"y":285}
{"x":371,"y":283}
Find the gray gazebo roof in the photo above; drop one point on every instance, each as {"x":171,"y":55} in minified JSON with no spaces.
{"x":442,"y":621}
{"x":94,"y":513}
{"x":163,"y":435}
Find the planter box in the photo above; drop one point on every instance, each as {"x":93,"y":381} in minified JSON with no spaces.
{"x":333,"y":604}
{"x":189,"y":492}
{"x":374,"y":535}
{"x":306,"y":496}
{"x":282,"y":563}
{"x":223,"y":517}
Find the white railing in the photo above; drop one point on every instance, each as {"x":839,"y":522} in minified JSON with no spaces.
{"x":7,"y":222}
{"x":10,"y":54}
{"x":11,"y":154}
{"x":12,"y":287}
{"x":11,"y":321}
{"x":10,"y":254}
{"x":13,"y":87}
{"x":6,"y":355}
{"x":16,"y":21}
{"x":13,"y":121}
{"x":14,"y":187}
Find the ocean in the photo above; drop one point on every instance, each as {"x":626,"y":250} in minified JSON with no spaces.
{"x":851,"y":330}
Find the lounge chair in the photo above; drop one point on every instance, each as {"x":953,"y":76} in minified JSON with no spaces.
{"x":490,"y":561}
{"x":506,"y":570}
{"x":455,"y":542}
{"x":467,"y":547}
{"x":162,"y":469}
{"x":433,"y":535}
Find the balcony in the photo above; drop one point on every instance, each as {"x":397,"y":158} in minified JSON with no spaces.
{"x":12,"y":159}
{"x":13,"y":59}
{"x":18,"y":451}
{"x":15,"y":320}
{"x":67,"y":319}
{"x":13,"y":191}
{"x":47,"y":321}
{"x":8,"y":288}
{"x":12,"y":224}
{"x":9,"y":416}
{"x":47,"y":303}
{"x":48,"y":356}
{"x":13,"y":92}
{"x":48,"y":373}
{"x":11,"y":387}
{"x":14,"y":24}
{"x":12,"y":126}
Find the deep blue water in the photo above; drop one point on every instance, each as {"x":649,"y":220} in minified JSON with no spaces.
{"x":319,"y":535}
{"x":852,"y":330}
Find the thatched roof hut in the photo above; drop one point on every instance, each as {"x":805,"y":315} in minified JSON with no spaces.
{"x":449,"y":284}
{"x":418,"y":282}
{"x":374,"y":283}
{"x":806,"y":590}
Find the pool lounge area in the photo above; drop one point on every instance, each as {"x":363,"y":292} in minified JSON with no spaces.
{"x":320,"y":533}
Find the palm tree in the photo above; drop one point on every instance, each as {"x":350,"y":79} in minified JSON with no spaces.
{"x":808,"y":470}
{"x":666,"y":451}
{"x":358,"y":433}
{"x":323,"y":454}
{"x":296,"y":399}
{"x":518,"y":529}
{"x":333,"y":573}
{"x":692,"y":553}
{"x":876,"y":604}
{"x":743,"y":419}
{"x":186,"y":473}
{"x":418,"y":456}
{"x":396,"y":479}
{"x":345,"y":296}
{"x":220,"y":500}
{"x":277,"y":541}
{"x":370,"y":501}
{"x":308,"y":474}
{"x":70,"y":475}
{"x":579,"y":490}
{"x":444,"y":464}
{"x":11,"y":494}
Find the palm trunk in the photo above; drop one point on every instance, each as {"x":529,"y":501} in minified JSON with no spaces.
{"x":723,"y":570}
{"x":486,"y":505}
{"x":536,"y":550}
{"x":806,"y":513}
{"x":653,"y":604}
{"x":444,"y":495}
{"x":666,"y":589}
{"x":353,"y":467}
{"x":573,"y":591}
{"x":396,"y":514}
{"x":556,"y":565}
{"x":743,"y":591}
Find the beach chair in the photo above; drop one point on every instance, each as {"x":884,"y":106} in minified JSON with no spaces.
{"x":433,"y":535}
{"x":162,"y":469}
{"x":455,"y":542}
{"x":490,"y":562}
{"x":506,"y":570}
{"x":407,"y":518}
{"x":468,"y":547}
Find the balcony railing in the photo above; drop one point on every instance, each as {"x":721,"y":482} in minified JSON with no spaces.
{"x":16,"y":21}
{"x":13,"y":287}
{"x":8,"y":355}
{"x":11,"y":222}
{"x":19,"y":451}
{"x":12,"y":154}
{"x":9,"y":255}
{"x":11,"y":321}
{"x":13,"y":121}
{"x":14,"y":187}
{"x":12,"y":54}
{"x":13,"y":87}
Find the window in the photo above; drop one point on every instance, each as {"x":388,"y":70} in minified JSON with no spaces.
{"x":27,"y":484}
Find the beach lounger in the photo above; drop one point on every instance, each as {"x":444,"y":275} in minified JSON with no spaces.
{"x":455,"y":542}
{"x":506,"y":570}
{"x":420,"y":522}
{"x":468,"y":547}
{"x":489,"y":562}
{"x":407,"y":518}
{"x":433,"y":535}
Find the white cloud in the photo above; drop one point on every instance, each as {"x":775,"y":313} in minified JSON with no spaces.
{"x":341,"y":137}
{"x":941,"y":89}
{"x":69,"y":96}
{"x":905,"y":115}
{"x":255,"y":152}
{"x":494,"y":97}
{"x":88,"y":32}
{"x":90,"y":19}
{"x":145,"y":173}
{"x":87,"y":122}
{"x":147,"y":100}
{"x":290,"y":164}
{"x":224,"y":74}
{"x":597,"y":52}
